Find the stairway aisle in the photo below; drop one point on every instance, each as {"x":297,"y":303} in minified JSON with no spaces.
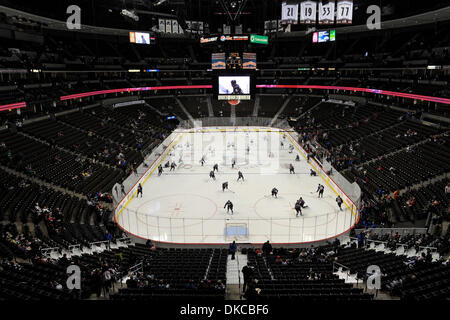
{"x":234,"y":267}
{"x":234,"y":276}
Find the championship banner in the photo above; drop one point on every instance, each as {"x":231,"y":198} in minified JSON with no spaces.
{"x":308,"y":12}
{"x":326,"y":12}
{"x":194,"y":27}
{"x":266,"y":27}
{"x":280,"y":25}
{"x":162,"y":25}
{"x":168,"y":26}
{"x":238,"y":29}
{"x":226,"y":29}
{"x":200,"y":27}
{"x":344,"y":12}
{"x":174,"y":26}
{"x":289,"y":13}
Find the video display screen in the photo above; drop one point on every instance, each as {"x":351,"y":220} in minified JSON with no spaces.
{"x":234,"y":87}
{"x":324,"y":36}
{"x":218,"y":61}
{"x":140,"y":37}
{"x":249,"y":60}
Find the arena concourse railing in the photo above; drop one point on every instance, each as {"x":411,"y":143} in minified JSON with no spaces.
{"x":369,"y":242}
{"x":393,"y":231}
{"x":217,"y":230}
{"x":77,"y":249}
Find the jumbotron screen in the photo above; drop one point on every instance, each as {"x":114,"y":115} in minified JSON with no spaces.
{"x":141,"y":38}
{"x":234,"y":88}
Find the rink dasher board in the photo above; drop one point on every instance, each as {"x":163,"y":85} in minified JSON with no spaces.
{"x":329,"y":181}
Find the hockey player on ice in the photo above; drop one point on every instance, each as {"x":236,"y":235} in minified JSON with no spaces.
{"x":139,"y":190}
{"x":291,"y":169}
{"x":297,"y":158}
{"x":302,"y":203}
{"x":211,"y":175}
{"x":312,"y":173}
{"x":216,"y":167}
{"x":229,"y":206}
{"x":160,"y":170}
{"x":320,"y":190}
{"x":275,"y":192}
{"x":339,"y":202}
{"x":233,"y":163}
{"x":202,"y":160}
{"x":173,"y":166}
{"x":224,"y":186}
{"x":240,"y":176}
{"x":298,"y":208}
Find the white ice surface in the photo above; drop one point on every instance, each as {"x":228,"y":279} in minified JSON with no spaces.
{"x":186,"y":206}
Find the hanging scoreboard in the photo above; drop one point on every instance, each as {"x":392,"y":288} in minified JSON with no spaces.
{"x":289,"y":13}
{"x":308,"y":12}
{"x":344,"y":12}
{"x":326,"y":12}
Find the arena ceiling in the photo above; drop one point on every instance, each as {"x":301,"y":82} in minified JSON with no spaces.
{"x":250,"y":13}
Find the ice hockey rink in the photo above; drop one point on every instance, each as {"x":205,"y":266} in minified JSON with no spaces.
{"x":186,"y":206}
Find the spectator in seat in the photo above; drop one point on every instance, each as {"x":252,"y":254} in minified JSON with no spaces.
{"x":219,"y":285}
{"x":131,"y":283}
{"x":380,"y":192}
{"x":396,"y":194}
{"x":252,"y":293}
{"x":191,"y":285}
